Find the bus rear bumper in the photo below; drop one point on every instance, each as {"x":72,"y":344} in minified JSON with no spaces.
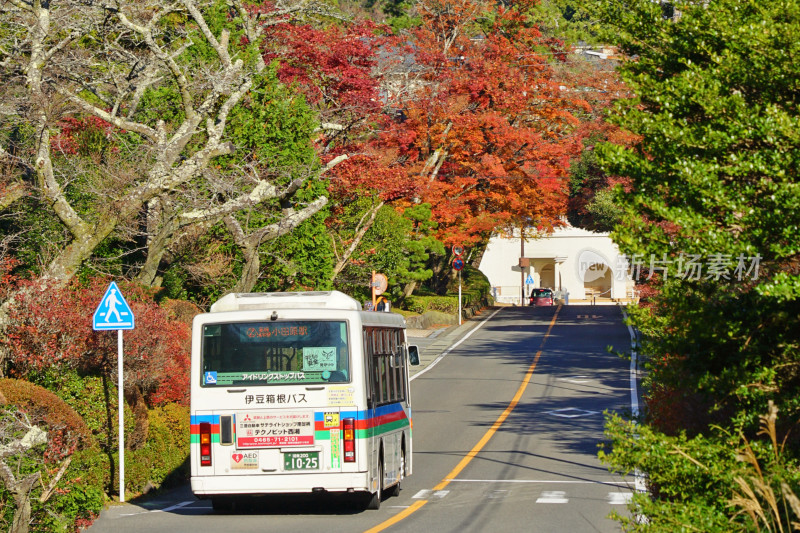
{"x":208,"y":486}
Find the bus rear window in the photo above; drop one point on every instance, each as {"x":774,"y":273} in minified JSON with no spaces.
{"x":275,"y":353}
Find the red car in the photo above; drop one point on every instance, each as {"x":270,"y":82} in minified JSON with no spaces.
{"x":540,"y":297}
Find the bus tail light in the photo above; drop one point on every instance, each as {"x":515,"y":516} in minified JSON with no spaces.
{"x":205,"y":444}
{"x":349,"y":425}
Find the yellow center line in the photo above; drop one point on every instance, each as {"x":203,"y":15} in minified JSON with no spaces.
{"x":481,"y":443}
{"x":398,"y":517}
{"x":502,"y":418}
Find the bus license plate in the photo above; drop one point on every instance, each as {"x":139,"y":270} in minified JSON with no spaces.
{"x":301,"y":461}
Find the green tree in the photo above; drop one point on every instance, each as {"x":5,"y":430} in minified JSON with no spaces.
{"x":565,"y":20}
{"x":302,"y":259}
{"x":420,"y":245}
{"x":714,"y":198}
{"x":396,"y":245}
{"x":591,"y":204}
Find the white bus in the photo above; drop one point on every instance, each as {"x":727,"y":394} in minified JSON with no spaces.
{"x":299,"y":393}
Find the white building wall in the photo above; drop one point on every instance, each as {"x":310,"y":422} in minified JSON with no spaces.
{"x":562,"y":261}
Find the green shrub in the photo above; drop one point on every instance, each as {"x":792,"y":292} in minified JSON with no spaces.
{"x":421,"y":304}
{"x":475,"y":282}
{"x":475,"y":291}
{"x":415,"y":304}
{"x":715,"y":483}
{"x":81,"y":496}
{"x":85,"y":394}
{"x":78,"y":495}
{"x":163,"y":458}
{"x":45,"y":407}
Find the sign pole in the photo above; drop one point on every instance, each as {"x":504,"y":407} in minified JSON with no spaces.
{"x":459,"y":297}
{"x":372,"y":284}
{"x":114,"y":313}
{"x":458,"y":264}
{"x":121,"y":418}
{"x":521,"y":268}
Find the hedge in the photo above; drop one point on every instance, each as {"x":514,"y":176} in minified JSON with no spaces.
{"x":79,"y":496}
{"x":163,"y":460}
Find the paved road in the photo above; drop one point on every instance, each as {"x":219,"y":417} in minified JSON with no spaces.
{"x":539,"y":470}
{"x":507,"y":419}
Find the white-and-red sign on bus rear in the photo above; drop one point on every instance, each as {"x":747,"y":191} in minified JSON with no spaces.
{"x":270,"y":429}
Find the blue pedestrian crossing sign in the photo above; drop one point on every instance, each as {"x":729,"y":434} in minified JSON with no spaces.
{"x":529,"y":280}
{"x":113,"y":311}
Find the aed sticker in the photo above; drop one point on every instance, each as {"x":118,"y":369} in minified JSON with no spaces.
{"x":336,"y":449}
{"x":331,"y":420}
{"x":339,"y":396}
{"x":244,"y":460}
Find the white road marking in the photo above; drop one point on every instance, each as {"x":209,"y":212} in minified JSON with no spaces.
{"x":426,"y":494}
{"x":165,"y":510}
{"x":634,"y":375}
{"x":173,"y":507}
{"x":571,"y":412}
{"x":622,"y":484}
{"x":578,"y":380}
{"x":620,"y":498}
{"x":453,"y":347}
{"x":133,"y":514}
{"x":553,"y":496}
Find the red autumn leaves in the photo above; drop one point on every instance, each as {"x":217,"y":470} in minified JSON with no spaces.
{"x":465,"y":114}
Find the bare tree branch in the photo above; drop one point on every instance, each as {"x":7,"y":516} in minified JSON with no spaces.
{"x":129,"y":49}
{"x":364,"y":225}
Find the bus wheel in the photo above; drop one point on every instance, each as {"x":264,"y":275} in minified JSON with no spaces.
{"x":374,"y":502}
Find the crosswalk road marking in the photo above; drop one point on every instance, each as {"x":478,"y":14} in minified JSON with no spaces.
{"x":620,"y":498}
{"x":547,"y":496}
{"x":553,"y":496}
{"x":559,"y":496}
{"x":426,"y":494}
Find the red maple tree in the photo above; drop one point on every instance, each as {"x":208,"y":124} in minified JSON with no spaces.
{"x":341,"y":71}
{"x":480,"y":128}
{"x":487,"y":132}
{"x":52,"y":327}
{"x":466,"y":115}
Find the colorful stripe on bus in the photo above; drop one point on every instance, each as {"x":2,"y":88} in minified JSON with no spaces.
{"x":369,"y":423}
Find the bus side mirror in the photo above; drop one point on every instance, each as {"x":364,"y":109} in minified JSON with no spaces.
{"x":413,"y":355}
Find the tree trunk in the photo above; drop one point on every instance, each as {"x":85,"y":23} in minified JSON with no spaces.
{"x":250,"y":270}
{"x":160,"y":236}
{"x":409,"y":289}
{"x":440,"y":279}
{"x":21,"y":489}
{"x":475,"y":255}
{"x":370,"y":220}
{"x":22,"y":500}
{"x":250,"y":243}
{"x":85,"y":241}
{"x":12,"y":192}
